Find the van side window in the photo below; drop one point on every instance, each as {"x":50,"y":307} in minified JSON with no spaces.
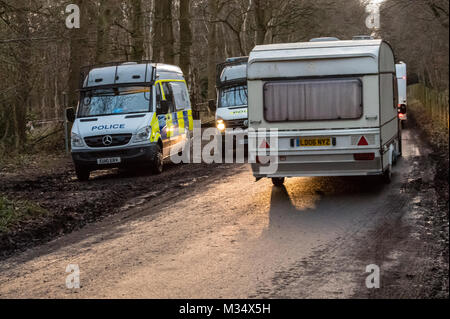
{"x":168,"y":93}
{"x":158,"y":97}
{"x":181,"y":95}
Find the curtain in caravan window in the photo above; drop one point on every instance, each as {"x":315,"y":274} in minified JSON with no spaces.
{"x":305,"y":100}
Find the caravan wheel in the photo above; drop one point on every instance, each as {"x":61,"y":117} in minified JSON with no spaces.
{"x":278,"y":181}
{"x":387,"y":175}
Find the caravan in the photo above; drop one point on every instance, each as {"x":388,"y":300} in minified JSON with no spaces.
{"x":332,"y":106}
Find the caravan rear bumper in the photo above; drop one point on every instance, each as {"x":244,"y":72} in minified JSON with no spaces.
{"x":346,"y":166}
{"x":342,"y":157}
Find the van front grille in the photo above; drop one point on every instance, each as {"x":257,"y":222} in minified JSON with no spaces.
{"x":236,"y":123}
{"x":114,"y":140}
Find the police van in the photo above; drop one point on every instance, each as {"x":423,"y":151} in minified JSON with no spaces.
{"x":231,"y":112}
{"x":129,"y":114}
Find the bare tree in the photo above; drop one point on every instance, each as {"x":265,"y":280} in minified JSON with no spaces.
{"x":185,"y":37}
{"x":157,"y":30}
{"x":213,"y":10}
{"x":104,"y":22}
{"x":167,"y":27}
{"x":137,"y":35}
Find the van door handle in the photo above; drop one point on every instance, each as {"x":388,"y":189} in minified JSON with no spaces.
{"x":371,"y":117}
{"x":255,"y":122}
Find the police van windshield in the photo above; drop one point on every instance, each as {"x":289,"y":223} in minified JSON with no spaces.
{"x":233,"y":96}
{"x":112,"y":101}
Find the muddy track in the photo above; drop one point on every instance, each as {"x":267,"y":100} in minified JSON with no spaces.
{"x":73,"y":204}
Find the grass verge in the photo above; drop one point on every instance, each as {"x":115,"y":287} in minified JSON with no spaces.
{"x":15,"y":212}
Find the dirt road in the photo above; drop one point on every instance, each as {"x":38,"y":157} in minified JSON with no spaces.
{"x":215,"y":233}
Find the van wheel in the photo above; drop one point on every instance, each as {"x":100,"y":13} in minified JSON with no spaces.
{"x":156,"y":165}
{"x":278,"y":181}
{"x":186,"y":148}
{"x":82,"y":173}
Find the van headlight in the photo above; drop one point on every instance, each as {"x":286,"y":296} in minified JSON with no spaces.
{"x":220,"y":124}
{"x":143,"y":134}
{"x":76,"y":139}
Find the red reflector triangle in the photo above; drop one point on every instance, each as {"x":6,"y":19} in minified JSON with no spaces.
{"x":362,"y":141}
{"x":264,"y":144}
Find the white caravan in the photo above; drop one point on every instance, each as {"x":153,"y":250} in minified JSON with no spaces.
{"x":129,"y":114}
{"x":231,"y":84}
{"x":400,"y":71}
{"x":331,"y":104}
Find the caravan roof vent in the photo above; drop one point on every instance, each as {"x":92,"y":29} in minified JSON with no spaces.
{"x":324,"y":39}
{"x":362,"y":37}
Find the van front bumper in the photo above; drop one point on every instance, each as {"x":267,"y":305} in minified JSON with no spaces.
{"x":139,"y":155}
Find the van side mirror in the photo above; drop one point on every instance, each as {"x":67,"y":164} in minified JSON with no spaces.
{"x":70,"y":114}
{"x":212,"y":105}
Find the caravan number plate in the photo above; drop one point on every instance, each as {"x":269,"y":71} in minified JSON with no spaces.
{"x":110,"y":160}
{"x":313,"y":142}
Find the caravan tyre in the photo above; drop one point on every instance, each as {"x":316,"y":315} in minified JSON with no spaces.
{"x":387,"y":175}
{"x":278,"y":181}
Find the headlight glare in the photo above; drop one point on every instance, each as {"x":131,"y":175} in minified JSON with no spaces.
{"x":143,"y":134}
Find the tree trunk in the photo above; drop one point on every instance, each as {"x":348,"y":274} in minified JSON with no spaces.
{"x":260,"y":20}
{"x":23,"y":58}
{"x":157,"y":31}
{"x":185,"y":38}
{"x":78,"y":52}
{"x":104,"y":21}
{"x":212,"y":48}
{"x":168,"y":32}
{"x":137,"y":35}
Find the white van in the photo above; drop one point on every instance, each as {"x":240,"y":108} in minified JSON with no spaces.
{"x":232,"y":106}
{"x":400,"y":71}
{"x":129,"y":114}
{"x":333,"y":105}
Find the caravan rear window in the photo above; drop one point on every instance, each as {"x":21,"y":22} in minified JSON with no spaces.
{"x":313,"y":99}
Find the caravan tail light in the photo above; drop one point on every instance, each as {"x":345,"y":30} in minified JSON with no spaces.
{"x":362,"y":141}
{"x":364,"y":156}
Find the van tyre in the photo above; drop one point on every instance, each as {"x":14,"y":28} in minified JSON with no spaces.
{"x":156,"y":164}
{"x":278,"y":181}
{"x":82,"y":173}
